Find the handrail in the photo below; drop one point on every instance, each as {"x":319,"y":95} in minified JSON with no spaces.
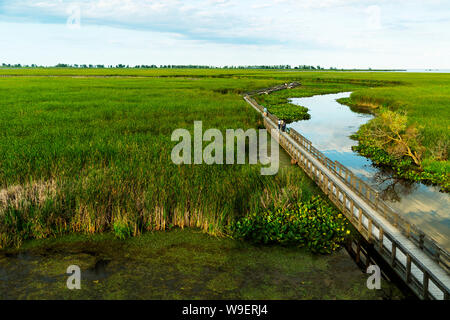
{"x":414,"y":267}
{"x":411,"y":231}
{"x":276,"y":88}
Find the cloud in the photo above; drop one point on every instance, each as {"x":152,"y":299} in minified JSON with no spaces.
{"x":345,"y":29}
{"x":199,"y":19}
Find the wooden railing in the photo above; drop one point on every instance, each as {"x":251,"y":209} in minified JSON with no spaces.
{"x":362,"y":206}
{"x":276,"y":88}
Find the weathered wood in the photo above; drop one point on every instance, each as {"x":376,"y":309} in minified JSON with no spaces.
{"x":393,"y":254}
{"x":408,"y":268}
{"x":430,"y":262}
{"x":380,"y":238}
{"x":426,"y":279}
{"x":369,"y":229}
{"x":352,"y":207}
{"x":344,"y":200}
{"x":360,"y":219}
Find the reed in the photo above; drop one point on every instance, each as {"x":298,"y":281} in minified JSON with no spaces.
{"x":92,"y":154}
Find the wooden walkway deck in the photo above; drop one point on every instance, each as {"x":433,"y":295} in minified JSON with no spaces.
{"x":415,"y":258}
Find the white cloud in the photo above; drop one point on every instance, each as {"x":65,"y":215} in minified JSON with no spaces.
{"x":344,"y":33}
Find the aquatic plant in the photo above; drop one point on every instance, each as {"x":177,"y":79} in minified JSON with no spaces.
{"x":313,"y":224}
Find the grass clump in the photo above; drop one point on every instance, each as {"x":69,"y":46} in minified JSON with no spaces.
{"x":313,"y":224}
{"x":280,"y":107}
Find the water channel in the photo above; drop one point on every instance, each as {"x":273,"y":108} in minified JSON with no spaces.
{"x":330,"y":128}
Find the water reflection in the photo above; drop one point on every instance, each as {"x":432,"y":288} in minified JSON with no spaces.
{"x":330,"y":128}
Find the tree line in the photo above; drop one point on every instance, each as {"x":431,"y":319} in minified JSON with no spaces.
{"x":153,"y":66}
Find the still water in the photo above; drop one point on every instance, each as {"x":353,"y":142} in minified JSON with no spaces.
{"x":330,"y":128}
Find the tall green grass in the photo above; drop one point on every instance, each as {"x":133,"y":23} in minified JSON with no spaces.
{"x":92,"y":154}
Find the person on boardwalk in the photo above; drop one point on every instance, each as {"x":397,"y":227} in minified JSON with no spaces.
{"x":265,"y":112}
{"x":283,"y":126}
{"x":279,"y":124}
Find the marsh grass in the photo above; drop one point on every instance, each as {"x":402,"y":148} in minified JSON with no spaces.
{"x":278,"y":102}
{"x":92,"y":154}
{"x":424,"y":98}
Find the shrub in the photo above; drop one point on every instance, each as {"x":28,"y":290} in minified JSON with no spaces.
{"x":289,"y":112}
{"x":390,"y":132}
{"x":313,"y":224}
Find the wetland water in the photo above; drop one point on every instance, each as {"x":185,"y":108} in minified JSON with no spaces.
{"x":180,"y":264}
{"x":330,"y":128}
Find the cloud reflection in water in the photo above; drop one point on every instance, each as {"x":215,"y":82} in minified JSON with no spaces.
{"x":330,"y":128}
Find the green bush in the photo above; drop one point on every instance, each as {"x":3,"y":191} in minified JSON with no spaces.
{"x":289,"y":112}
{"x":282,"y":108}
{"x":313,"y":224}
{"x":402,"y":168}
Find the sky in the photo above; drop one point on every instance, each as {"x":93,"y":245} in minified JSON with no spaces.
{"x":409,"y":34}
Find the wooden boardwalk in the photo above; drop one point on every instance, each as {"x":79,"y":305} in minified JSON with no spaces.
{"x":416,"y":259}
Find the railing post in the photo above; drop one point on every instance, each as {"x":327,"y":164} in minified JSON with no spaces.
{"x":360,"y":220}
{"x":393,"y":254}
{"x":408,"y":268}
{"x":426,"y":278}
{"x":344,"y":198}
{"x":377,"y":199}
{"x":381,"y":236}
{"x":368,"y":196}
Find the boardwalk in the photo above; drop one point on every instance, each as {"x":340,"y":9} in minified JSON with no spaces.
{"x":414,"y":257}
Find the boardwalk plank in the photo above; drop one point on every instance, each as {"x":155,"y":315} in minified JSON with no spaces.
{"x":431,"y":276}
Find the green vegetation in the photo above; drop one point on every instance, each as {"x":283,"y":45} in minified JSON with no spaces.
{"x":93,"y":155}
{"x":313,"y":224}
{"x":423,"y":106}
{"x":180,"y":264}
{"x":88,"y":150}
{"x":422,"y":100}
{"x":278,"y":102}
{"x":278,"y":106}
{"x":153,"y":66}
{"x":389,"y":140}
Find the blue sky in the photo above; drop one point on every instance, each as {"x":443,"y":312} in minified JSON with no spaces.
{"x":341,"y":33}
